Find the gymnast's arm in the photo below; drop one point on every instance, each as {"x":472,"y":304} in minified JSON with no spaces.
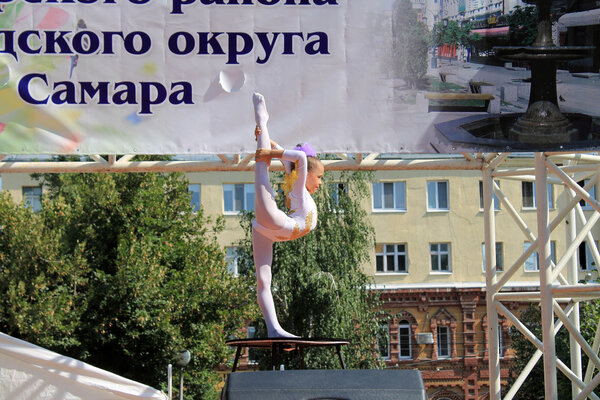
{"x":286,"y":164}
{"x":299,"y":157}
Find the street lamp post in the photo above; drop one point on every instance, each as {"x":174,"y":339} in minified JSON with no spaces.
{"x":182,"y":359}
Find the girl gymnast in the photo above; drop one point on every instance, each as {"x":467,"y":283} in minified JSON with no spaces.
{"x":272,"y":224}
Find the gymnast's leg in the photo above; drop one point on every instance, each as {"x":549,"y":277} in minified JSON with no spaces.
{"x":269,"y":216}
{"x":265,"y":207}
{"x":263,"y":257}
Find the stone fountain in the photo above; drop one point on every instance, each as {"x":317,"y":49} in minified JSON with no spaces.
{"x":543,"y":126}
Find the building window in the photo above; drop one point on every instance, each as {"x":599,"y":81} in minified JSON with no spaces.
{"x":529,"y":201}
{"x":500,"y":344}
{"x":404,"y":340}
{"x":528,"y":194}
{"x":591,"y":192}
{"x":194,"y":190}
{"x":238,"y":197}
{"x":443,"y":342}
{"x":389,"y":196}
{"x":499,"y":256}
{"x":437,"y":196}
{"x":253,"y":353}
{"x":383,"y":341}
{"x":337,"y":190}
{"x":533,"y":261}
{"x":231,"y":258}
{"x":496,"y":200}
{"x":391,"y":258}
{"x":32,"y":197}
{"x":440,"y":257}
{"x":586,"y":259}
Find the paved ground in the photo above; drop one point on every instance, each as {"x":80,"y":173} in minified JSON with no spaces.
{"x":577,"y":92}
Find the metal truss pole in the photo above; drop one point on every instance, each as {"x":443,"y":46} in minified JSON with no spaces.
{"x":235,"y":162}
{"x":541,"y":192}
{"x":490,"y":276}
{"x":572,"y":277}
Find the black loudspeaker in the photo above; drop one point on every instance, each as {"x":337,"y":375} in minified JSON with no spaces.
{"x":313,"y":384}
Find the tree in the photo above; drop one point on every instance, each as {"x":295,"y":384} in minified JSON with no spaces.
{"x":411,"y":43}
{"x":117,"y":271}
{"x":454,"y":34}
{"x":522,"y":22}
{"x":318,"y":285}
{"x":524,"y":349}
{"x":40,"y":286}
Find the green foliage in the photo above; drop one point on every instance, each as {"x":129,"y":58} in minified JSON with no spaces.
{"x":39,"y":284}
{"x":411,"y":44}
{"x":116,"y":271}
{"x":319,"y":288}
{"x":522,"y":22}
{"x":524,"y":349}
{"x":454,"y":33}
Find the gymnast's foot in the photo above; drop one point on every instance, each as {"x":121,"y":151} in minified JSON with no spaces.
{"x":280,"y":333}
{"x":260,"y":109}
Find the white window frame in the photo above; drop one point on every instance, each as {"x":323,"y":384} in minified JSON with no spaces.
{"x":247,"y":200}
{"x":439,"y":253}
{"x":31,"y":198}
{"x":398,"y":193}
{"x":532,"y":264}
{"x":588,"y":263}
{"x":433,"y":195}
{"x":550,"y":191}
{"x":404,"y":326}
{"x":496,"y":199}
{"x":500,"y":344}
{"x":232,"y":260}
{"x":386,"y":330}
{"x":195,"y":193}
{"x":251,"y":334}
{"x":444,"y":331}
{"x":530,"y":186}
{"x":591,"y":192}
{"x":397,"y":253}
{"x":499,"y":256}
{"x":334,"y":191}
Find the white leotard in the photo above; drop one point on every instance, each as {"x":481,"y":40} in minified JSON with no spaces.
{"x":302,"y":217}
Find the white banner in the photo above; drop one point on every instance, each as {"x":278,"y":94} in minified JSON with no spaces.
{"x":177,"y":76}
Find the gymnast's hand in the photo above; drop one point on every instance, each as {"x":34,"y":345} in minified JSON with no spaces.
{"x":267,"y":154}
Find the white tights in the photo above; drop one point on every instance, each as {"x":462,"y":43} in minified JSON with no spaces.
{"x":269,"y":216}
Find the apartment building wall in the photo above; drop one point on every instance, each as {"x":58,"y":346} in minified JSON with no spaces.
{"x":461,"y":226}
{"x":211,"y":198}
{"x":416,"y":226}
{"x":14,"y":184}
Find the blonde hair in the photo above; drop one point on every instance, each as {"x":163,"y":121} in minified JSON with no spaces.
{"x":288,"y":185}
{"x":290,"y":179}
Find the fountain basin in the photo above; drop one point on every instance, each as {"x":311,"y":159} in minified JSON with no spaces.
{"x":492,"y":132}
{"x":542,"y":53}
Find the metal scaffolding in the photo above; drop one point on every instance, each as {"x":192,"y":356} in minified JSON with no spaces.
{"x":559,"y":292}
{"x":239,"y":162}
